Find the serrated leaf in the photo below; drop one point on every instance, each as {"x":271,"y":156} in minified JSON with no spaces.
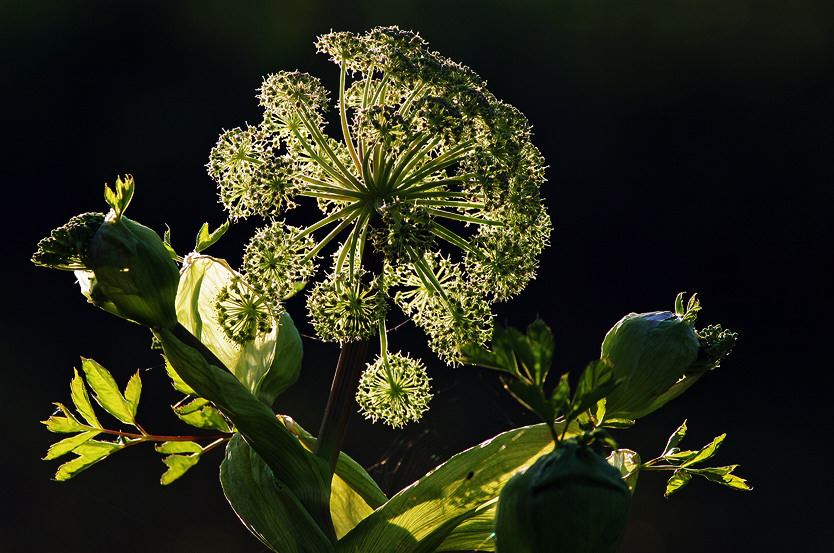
{"x":201,"y":414}
{"x":89,"y":453}
{"x":531,"y":396}
{"x":503,"y":350}
{"x":679,"y":479}
{"x":68,"y":444}
{"x":177,"y":465}
{"x":542,"y":346}
{"x":206,"y":239}
{"x":675,"y":438}
{"x":595,"y":383}
{"x":179,"y":447}
{"x":523,"y":352}
{"x":706,"y":452}
{"x":82,"y":400}
{"x":680,"y":456}
{"x":560,"y":399}
{"x":178,"y":383}
{"x":120,"y":195}
{"x":474,"y":354}
{"x":722,"y":475}
{"x":132,"y":392}
{"x":107,"y":392}
{"x":66,"y":424}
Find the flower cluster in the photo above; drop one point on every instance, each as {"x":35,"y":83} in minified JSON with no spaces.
{"x":394,"y":388}
{"x":432,"y":191}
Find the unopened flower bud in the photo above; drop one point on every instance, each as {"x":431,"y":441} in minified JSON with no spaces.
{"x":134,"y":272}
{"x":660,"y":354}
{"x":570,"y":500}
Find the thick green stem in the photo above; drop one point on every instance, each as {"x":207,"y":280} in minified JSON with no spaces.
{"x":340,"y":403}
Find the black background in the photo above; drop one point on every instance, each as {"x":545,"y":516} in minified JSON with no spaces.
{"x":690,"y":149}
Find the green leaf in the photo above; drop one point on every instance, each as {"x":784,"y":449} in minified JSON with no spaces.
{"x":201,"y":414}
{"x":177,"y":465}
{"x":66,"y":424}
{"x":206,"y":239}
{"x":179,"y":447}
{"x":107,"y":392}
{"x":628,"y":463}
{"x":119,"y":197}
{"x":304,"y":474}
{"x":89,"y":453}
{"x":132,"y":393}
{"x":265,"y":505}
{"x":679,"y":479}
{"x":523,"y":352}
{"x":473,"y":354}
{"x":560,"y":399}
{"x":68,"y":444}
{"x":463,"y":489}
{"x":595,"y":382}
{"x":502,"y":347}
{"x":706,"y":452}
{"x":675,"y":439}
{"x":542,"y":345}
{"x":178,"y":383}
{"x":722,"y":475}
{"x":354,"y":494}
{"x":82,"y":400}
{"x":531,"y":396}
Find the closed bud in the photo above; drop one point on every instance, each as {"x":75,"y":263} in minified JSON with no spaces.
{"x":660,"y":354}
{"x":569,"y":501}
{"x":135,"y":276}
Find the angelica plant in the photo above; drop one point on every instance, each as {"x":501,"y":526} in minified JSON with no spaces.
{"x":427,"y":200}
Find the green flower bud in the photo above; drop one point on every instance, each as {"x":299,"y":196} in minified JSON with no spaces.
{"x":660,"y":354}
{"x":127,"y":269}
{"x":134,"y":272}
{"x":569,"y":501}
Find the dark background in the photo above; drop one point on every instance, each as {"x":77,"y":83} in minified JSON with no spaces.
{"x":690,"y":149}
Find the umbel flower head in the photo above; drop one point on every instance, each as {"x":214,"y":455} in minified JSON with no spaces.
{"x":395,"y":388}
{"x":429,"y":197}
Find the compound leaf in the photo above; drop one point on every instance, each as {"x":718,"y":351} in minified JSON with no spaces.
{"x":107,"y":392}
{"x":89,"y":453}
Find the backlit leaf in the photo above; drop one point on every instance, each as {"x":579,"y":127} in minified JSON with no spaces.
{"x":82,"y":400}
{"x":201,"y":414}
{"x":627,"y":462}
{"x":706,"y":452}
{"x":265,"y":505}
{"x":679,"y":479}
{"x":107,"y":392}
{"x":66,"y":424}
{"x":89,"y":453}
{"x":132,"y":393}
{"x":178,"y":383}
{"x":675,"y":438}
{"x":177,"y":465}
{"x":68,"y":444}
{"x":179,"y":447}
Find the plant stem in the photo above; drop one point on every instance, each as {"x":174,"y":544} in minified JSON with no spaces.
{"x":340,"y":402}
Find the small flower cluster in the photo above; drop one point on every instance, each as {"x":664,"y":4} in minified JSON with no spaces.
{"x":432,"y":177}
{"x":395,"y":388}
